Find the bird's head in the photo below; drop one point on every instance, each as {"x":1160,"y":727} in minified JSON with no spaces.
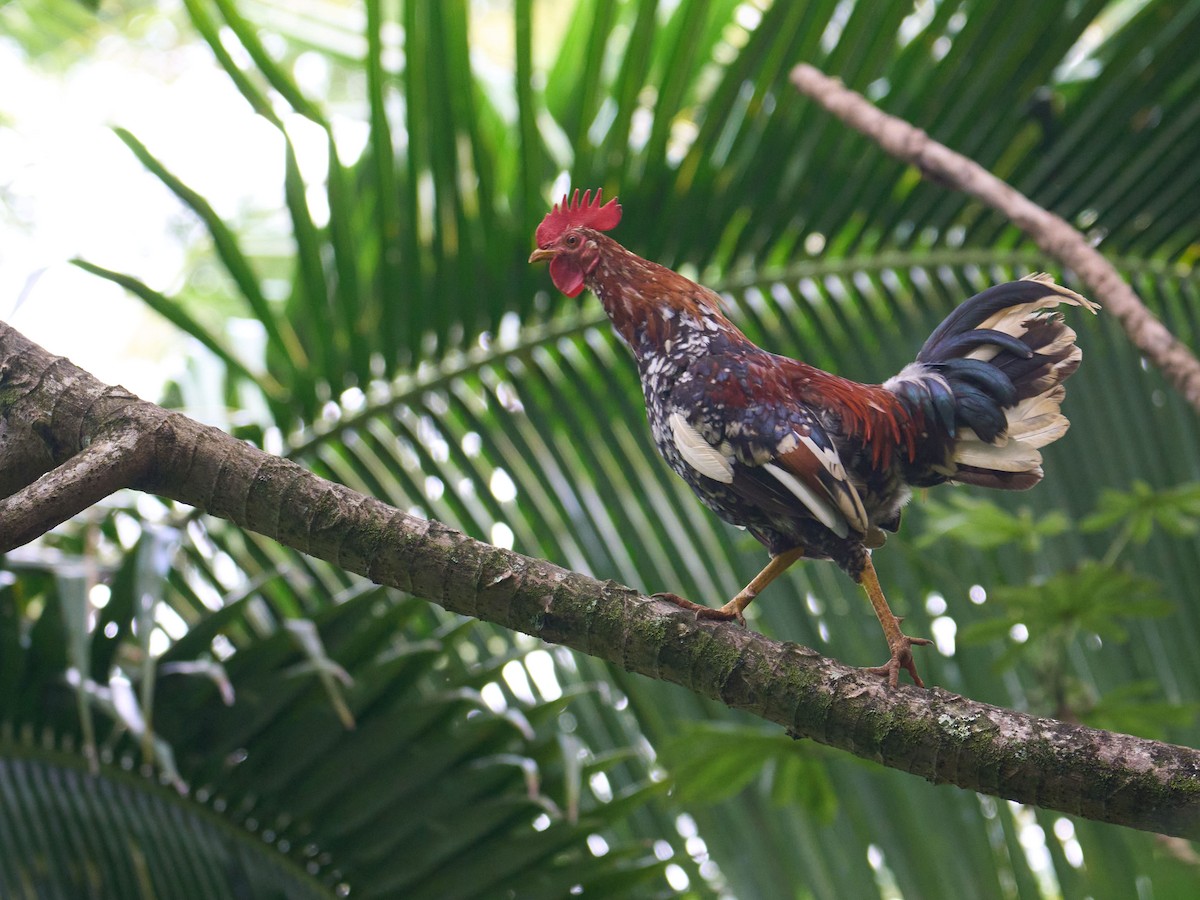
{"x":567,"y":237}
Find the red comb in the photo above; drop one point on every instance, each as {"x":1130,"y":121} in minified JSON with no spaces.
{"x":589,"y":214}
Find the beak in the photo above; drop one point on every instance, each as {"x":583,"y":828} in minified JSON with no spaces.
{"x":539,"y":254}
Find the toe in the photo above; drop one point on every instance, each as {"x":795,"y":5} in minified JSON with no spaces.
{"x":891,"y":669}
{"x":670,"y":598}
{"x":702,"y":612}
{"x":722,"y":615}
{"x":902,"y":658}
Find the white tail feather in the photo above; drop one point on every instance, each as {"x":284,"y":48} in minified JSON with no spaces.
{"x":1036,"y":422}
{"x":1009,"y":456}
{"x":1032,"y":423}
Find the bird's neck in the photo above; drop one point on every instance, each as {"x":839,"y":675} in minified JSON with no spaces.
{"x":657,"y":312}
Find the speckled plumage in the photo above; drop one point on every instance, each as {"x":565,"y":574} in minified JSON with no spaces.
{"x":693,"y":360}
{"x":811,"y":463}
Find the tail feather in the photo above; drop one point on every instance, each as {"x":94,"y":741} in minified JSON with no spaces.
{"x":1036,"y":420}
{"x":988,"y":378}
{"x":1010,"y":456}
{"x":991,"y":376}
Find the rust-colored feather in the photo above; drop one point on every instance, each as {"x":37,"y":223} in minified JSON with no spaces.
{"x":868,"y":412}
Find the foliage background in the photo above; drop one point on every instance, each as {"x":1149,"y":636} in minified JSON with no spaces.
{"x":403,"y":347}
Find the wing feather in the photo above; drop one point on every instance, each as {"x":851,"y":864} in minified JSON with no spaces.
{"x":699,"y":453}
{"x":775,"y":458}
{"x":816,"y":503}
{"x":821,"y":468}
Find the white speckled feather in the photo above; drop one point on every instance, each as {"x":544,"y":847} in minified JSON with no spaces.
{"x":699,"y":453}
{"x":826,"y":513}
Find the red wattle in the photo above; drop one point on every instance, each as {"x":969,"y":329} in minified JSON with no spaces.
{"x":566,"y":275}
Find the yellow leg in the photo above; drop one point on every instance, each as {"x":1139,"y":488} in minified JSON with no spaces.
{"x":733,"y":609}
{"x":899,"y":643}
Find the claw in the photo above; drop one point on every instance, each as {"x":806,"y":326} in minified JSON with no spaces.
{"x":902,"y":658}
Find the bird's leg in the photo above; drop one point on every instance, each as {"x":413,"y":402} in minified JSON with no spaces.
{"x":899,"y":643}
{"x":733,"y":609}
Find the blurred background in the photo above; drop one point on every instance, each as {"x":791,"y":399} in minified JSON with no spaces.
{"x":307,"y":223}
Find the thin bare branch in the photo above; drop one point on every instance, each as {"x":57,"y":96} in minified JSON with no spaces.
{"x":98,"y":470}
{"x":1051,"y":232}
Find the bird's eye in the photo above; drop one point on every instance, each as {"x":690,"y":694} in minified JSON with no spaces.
{"x":572,"y":240}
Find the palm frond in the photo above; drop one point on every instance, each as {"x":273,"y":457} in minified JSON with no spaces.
{"x":461,"y":392}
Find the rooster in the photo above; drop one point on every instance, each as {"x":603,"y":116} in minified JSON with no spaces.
{"x":812,"y":464}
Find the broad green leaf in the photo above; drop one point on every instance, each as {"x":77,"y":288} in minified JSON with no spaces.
{"x":984,"y":525}
{"x":1092,"y":597}
{"x":1136,"y":709}
{"x":1141,"y":509}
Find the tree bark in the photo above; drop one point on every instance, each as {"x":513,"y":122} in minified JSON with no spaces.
{"x":79,"y":439}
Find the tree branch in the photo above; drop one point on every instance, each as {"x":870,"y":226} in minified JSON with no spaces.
{"x":1051,"y":232}
{"x":98,"y":470}
{"x":937,"y":735}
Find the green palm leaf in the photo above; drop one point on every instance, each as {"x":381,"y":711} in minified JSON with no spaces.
{"x":71,"y":833}
{"x":443,"y":761}
{"x":530,"y":425}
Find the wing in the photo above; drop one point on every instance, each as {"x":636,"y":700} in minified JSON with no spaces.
{"x":815,"y":467}
{"x":773,"y":463}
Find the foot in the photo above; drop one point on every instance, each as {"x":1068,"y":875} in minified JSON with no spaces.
{"x":726,"y":613}
{"x":902,"y":658}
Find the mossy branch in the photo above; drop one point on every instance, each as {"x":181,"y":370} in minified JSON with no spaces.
{"x":933,"y":734}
